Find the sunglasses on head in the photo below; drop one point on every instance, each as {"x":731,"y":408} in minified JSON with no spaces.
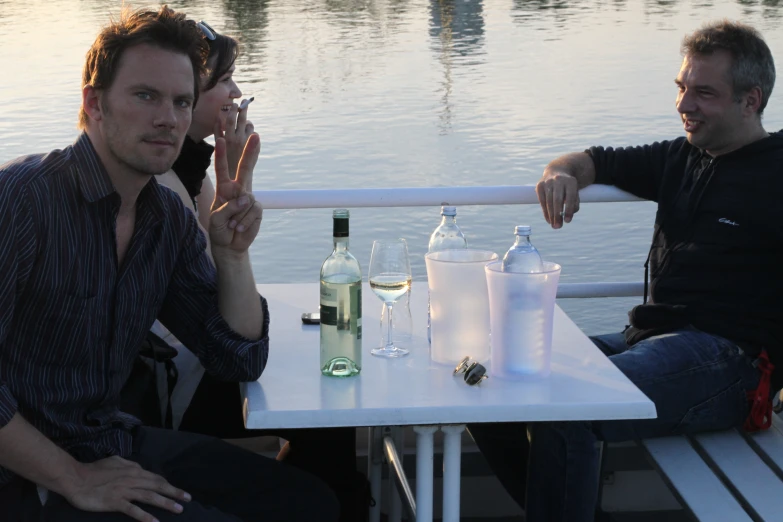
{"x":209,"y":33}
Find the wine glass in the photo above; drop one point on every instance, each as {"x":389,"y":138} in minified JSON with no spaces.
{"x":390,"y":279}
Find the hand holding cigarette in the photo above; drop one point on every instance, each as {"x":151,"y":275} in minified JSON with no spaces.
{"x":237,"y":131}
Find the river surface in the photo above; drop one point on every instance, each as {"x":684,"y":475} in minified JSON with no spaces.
{"x":413,"y":93}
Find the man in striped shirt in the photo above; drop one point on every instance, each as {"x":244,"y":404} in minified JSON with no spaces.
{"x":92,"y":251}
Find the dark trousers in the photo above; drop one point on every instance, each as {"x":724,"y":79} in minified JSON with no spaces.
{"x":329,"y":454}
{"x":227,"y":483}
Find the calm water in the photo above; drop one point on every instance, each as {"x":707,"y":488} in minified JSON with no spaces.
{"x":390,"y":93}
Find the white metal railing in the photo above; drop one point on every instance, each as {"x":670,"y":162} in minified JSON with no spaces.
{"x":436,"y":196}
{"x":424,"y":196}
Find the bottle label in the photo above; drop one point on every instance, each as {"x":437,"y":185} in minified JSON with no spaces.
{"x":328,"y":315}
{"x":328,"y":306}
{"x":356,"y":310}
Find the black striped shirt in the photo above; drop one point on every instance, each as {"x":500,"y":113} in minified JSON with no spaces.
{"x":72,"y":320}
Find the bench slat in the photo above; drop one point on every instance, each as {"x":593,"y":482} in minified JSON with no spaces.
{"x":749,"y":474}
{"x":694,"y":482}
{"x":769,"y":444}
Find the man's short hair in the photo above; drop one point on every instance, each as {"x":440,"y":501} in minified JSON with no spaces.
{"x":752,"y":63}
{"x":164,"y":28}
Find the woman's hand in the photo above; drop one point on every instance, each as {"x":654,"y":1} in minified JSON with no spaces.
{"x":237,"y":131}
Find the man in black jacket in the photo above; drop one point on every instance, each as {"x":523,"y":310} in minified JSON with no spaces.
{"x":698,"y":347}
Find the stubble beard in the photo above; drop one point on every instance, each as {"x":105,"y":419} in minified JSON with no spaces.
{"x":118,"y":146}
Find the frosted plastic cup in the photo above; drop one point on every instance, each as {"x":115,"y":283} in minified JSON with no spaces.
{"x":521,"y":310}
{"x":459,"y":304}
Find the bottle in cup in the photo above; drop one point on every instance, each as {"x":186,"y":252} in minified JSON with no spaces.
{"x":519,"y":336}
{"x":522,"y":257}
{"x":447,"y":236}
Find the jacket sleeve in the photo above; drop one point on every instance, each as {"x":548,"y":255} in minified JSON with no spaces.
{"x":17,"y":247}
{"x":190,"y":311}
{"x":638,"y":170}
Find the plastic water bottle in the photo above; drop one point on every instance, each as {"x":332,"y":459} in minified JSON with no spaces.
{"x":447,"y":236}
{"x":522,"y":257}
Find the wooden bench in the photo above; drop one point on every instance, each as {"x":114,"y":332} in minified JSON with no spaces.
{"x":726,"y":476}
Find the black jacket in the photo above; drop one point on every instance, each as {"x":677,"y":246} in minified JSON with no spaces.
{"x":715,"y":255}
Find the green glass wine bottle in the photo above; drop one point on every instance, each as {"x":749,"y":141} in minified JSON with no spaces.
{"x":341,"y":306}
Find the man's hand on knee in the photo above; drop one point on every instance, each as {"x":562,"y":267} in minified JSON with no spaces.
{"x":114,"y":484}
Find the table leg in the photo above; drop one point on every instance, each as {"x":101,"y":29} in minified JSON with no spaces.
{"x":425,"y":454}
{"x":375,"y":463}
{"x":452,"y":454}
{"x":395,"y":503}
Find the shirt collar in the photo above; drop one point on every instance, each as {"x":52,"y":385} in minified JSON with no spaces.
{"x":95,"y":183}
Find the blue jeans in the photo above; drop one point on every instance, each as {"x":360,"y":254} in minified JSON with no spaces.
{"x":697,"y":381}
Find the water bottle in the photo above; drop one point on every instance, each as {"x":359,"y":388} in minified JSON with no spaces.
{"x":522,"y":257}
{"x":447,"y":236}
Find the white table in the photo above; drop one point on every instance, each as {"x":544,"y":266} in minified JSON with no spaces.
{"x":583,"y":385}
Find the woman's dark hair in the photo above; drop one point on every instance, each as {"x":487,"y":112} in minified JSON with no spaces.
{"x":223,"y":52}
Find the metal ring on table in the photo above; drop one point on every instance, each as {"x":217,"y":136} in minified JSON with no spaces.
{"x":473,"y":370}
{"x":462,"y":366}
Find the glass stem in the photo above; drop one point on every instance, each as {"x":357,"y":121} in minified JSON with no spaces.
{"x":389,"y":343}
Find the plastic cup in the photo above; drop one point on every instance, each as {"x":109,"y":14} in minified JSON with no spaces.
{"x":521,"y":309}
{"x":459,"y":304}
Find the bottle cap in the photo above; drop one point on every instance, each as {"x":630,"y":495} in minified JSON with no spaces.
{"x":340,"y":216}
{"x":522,"y":230}
{"x":446,"y":210}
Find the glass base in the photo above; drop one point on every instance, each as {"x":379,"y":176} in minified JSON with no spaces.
{"x":341,"y":367}
{"x":384,"y":351}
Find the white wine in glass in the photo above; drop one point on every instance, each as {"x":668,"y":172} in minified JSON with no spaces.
{"x":390,"y":279}
{"x":390,"y":287}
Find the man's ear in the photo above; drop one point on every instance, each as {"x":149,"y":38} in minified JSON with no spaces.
{"x":753,"y":100}
{"x":91,"y":102}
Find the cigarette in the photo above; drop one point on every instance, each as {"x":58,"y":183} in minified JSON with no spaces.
{"x":245,"y":103}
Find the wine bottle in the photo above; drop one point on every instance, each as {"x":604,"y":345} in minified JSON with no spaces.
{"x":341,"y":306}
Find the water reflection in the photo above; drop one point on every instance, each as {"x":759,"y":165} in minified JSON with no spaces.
{"x":660,"y":7}
{"x":456,"y":30}
{"x":532,"y":10}
{"x":769,"y":8}
{"x":458,"y":24}
{"x":248,"y":20}
{"x":384,"y":14}
{"x":562,"y":11}
{"x":249,"y":17}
